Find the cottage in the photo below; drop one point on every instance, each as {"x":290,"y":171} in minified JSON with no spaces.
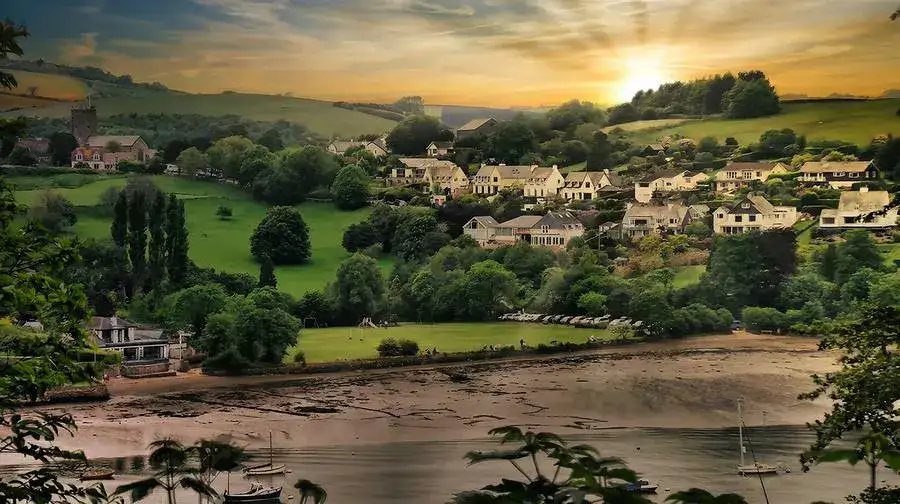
{"x":103,"y":152}
{"x":862,"y":209}
{"x":652,"y":150}
{"x":481,"y":126}
{"x":642,"y":220}
{"x":436,"y":149}
{"x":555,"y":229}
{"x":736,"y":175}
{"x":492,"y":179}
{"x":752,"y":213}
{"x":145,"y":351}
{"x":431,"y":174}
{"x":837,"y":174}
{"x":544,"y":182}
{"x":698,"y":211}
{"x":667,"y":181}
{"x":374,"y":147}
{"x":585,"y":186}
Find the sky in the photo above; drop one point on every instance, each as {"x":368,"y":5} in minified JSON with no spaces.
{"x":470,"y":52}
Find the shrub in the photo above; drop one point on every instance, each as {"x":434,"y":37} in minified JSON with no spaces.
{"x":230,"y":361}
{"x":299,"y":357}
{"x":765,"y":319}
{"x":389,"y":347}
{"x":224,"y":212}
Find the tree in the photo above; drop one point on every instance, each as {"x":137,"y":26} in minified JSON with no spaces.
{"x":351,"y":188}
{"x":748,"y":269}
{"x":707,"y":144}
{"x":857,"y":251}
{"x":225,"y":156}
{"x":282,"y":236}
{"x":751,"y":98}
{"x":413,"y":238}
{"x":599,"y":152}
{"x":190,"y":308}
{"x":700,"y":496}
{"x":30,"y":265}
{"x":777,"y":141}
{"x":173,"y":150}
{"x":223,"y":212}
{"x":9,"y":32}
{"x":61,"y":146}
{"x":887,"y":159}
{"x":53,"y":211}
{"x":271,"y":140}
{"x":263,"y":335}
{"x":359,"y":236}
{"x":267,"y":273}
{"x":176,"y":242}
{"x":571,"y":114}
{"x":412,"y":136}
{"x":873,"y":449}
{"x":21,"y":156}
{"x":297,"y":173}
{"x":137,"y":238}
{"x":255,"y":160}
{"x":192,"y":162}
{"x":487,"y":289}
{"x":510,"y":141}
{"x":157,"y":251}
{"x":592,"y":304}
{"x":411,"y":105}
{"x":10,"y":132}
{"x":357,"y":289}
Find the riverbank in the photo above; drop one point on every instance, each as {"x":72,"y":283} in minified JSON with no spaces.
{"x":691,"y":383}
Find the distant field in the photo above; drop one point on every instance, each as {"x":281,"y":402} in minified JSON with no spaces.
{"x":642,"y":125}
{"x":857,"y":122}
{"x":225,"y":245}
{"x":345,"y":343}
{"x":320,"y":117}
{"x":60,"y":87}
{"x":8,"y":102}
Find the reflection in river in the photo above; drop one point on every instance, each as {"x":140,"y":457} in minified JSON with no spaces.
{"x":430,"y":472}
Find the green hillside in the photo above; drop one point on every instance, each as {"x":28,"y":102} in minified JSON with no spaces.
{"x":855,"y":121}
{"x":319,"y":116}
{"x":224,"y":245}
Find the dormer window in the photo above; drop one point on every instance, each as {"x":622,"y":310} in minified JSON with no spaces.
{"x":745,"y":205}
{"x":79,"y":157}
{"x":96,"y":157}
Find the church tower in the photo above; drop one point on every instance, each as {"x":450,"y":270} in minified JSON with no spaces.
{"x":84,"y":123}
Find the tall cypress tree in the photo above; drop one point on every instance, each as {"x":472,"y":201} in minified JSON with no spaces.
{"x":157,"y":250}
{"x":119,"y":228}
{"x":137,"y":239}
{"x":176,"y":242}
{"x":267,"y":273}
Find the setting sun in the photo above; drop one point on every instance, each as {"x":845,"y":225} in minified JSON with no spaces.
{"x":640,"y":74}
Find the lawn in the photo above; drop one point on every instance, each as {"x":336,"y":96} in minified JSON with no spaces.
{"x":688,"y":275}
{"x":854,"y":121}
{"x":59,"y":87}
{"x":319,"y":116}
{"x":225,"y":245}
{"x":343,"y":343}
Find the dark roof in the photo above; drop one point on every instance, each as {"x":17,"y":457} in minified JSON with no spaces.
{"x":558,"y":220}
{"x":474,"y":124}
{"x":107,"y":323}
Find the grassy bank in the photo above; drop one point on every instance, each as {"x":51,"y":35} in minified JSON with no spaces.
{"x":853,"y":121}
{"x":224,"y":245}
{"x":345,"y":343}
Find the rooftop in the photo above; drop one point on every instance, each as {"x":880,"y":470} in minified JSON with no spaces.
{"x":104,"y":140}
{"x":835,"y":166}
{"x":474,"y":124}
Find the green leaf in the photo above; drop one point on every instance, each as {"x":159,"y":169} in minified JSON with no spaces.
{"x":139,"y":490}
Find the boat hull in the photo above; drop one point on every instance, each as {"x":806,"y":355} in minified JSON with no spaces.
{"x":265,"y":470}
{"x":754,"y":470}
{"x":97,"y":475}
{"x":264,"y":495}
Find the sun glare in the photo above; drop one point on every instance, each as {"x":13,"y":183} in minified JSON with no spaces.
{"x":640,"y":74}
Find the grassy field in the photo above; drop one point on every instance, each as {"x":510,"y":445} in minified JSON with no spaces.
{"x":856,"y":122}
{"x":688,"y":275}
{"x":646,"y":125}
{"x":225,"y":245}
{"x":344,"y":343}
{"x":59,"y":87}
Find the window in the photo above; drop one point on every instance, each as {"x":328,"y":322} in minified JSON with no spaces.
{"x":827,"y":220}
{"x":751,"y":218}
{"x":759,"y":174}
{"x":96,"y":156}
{"x":854,"y":175}
{"x":587,"y":184}
{"x":840,"y":174}
{"x":495,"y":179}
{"x":738,"y":218}
{"x":79,"y":157}
{"x":721,"y":216}
{"x":745,"y":205}
{"x":731,"y":174}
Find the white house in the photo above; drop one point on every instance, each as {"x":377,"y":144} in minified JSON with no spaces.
{"x":544,"y":182}
{"x":667,"y":181}
{"x":837,"y":174}
{"x":436,"y":149}
{"x":492,"y":179}
{"x":642,"y":220}
{"x":555,"y":230}
{"x":374,"y":147}
{"x":736,"y":175}
{"x":144,"y":351}
{"x":752,"y":213}
{"x":584,"y":186}
{"x":862,"y":209}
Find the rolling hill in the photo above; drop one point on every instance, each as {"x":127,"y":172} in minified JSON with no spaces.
{"x":857,"y":121}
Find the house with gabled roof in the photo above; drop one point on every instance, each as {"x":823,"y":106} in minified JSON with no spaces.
{"x":752,"y":213}
{"x":436,"y":149}
{"x":585,"y":186}
{"x":862,"y":209}
{"x":643,"y":219}
{"x":145,"y":352}
{"x":103,"y":152}
{"x":544,"y":182}
{"x":739,"y":174}
{"x":375,"y":147}
{"x":492,"y":179}
{"x":481,"y":126}
{"x":837,"y":174}
{"x":555,"y":230}
{"x":667,"y":181}
{"x":431,"y":174}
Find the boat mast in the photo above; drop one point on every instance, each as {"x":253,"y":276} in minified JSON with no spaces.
{"x":270,"y":450}
{"x":741,"y":430}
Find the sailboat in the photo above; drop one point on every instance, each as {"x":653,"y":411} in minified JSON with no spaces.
{"x":265,"y":469}
{"x":756,"y":468}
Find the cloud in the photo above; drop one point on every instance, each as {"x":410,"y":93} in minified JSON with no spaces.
{"x":436,"y":8}
{"x":77,"y":50}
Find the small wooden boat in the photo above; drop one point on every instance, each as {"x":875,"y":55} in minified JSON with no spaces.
{"x":97,"y":474}
{"x":257,"y":493}
{"x":269,"y":469}
{"x":642,"y":487}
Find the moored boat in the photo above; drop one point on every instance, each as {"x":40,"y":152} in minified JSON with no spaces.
{"x":642,"y":486}
{"x":257,"y":493}
{"x":97,"y":474}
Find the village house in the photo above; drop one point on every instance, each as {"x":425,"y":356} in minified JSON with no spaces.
{"x":38,"y":147}
{"x":375,"y":147}
{"x":642,"y":220}
{"x":431,"y":174}
{"x":544,"y":182}
{"x":752,"y":213}
{"x":652,"y":150}
{"x":492,"y":179}
{"x":837,"y":174}
{"x":736,"y":175}
{"x":481,"y":126}
{"x":555,"y":230}
{"x":103,"y":152}
{"x":667,"y":181}
{"x":862,"y":209}
{"x":584,"y":186}
{"x":436,"y":149}
{"x":145,"y":352}
{"x":698,"y":211}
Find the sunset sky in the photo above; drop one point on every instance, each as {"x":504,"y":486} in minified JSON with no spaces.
{"x":474,"y":52}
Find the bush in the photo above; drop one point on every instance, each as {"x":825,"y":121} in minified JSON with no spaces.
{"x":223,"y":212}
{"x":299,"y":357}
{"x":230,"y":361}
{"x":389,"y":347}
{"x":765,"y":319}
